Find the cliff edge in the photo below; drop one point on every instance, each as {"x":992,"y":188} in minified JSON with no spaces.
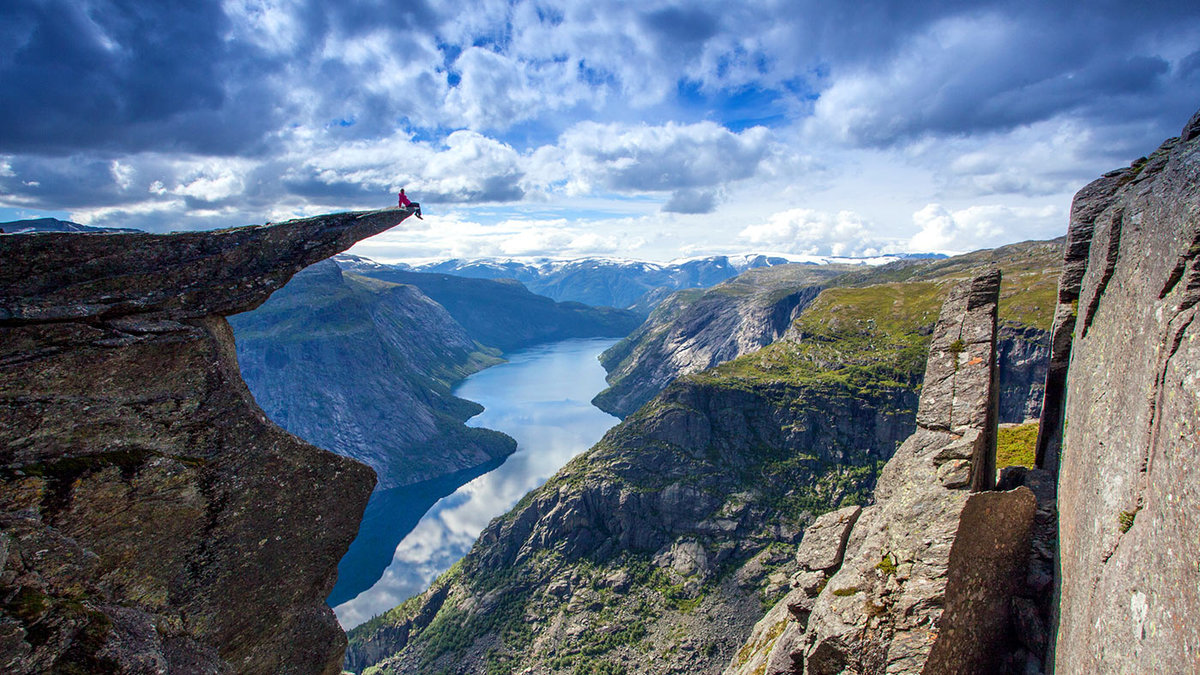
{"x":1128,"y":418}
{"x":151,"y":518}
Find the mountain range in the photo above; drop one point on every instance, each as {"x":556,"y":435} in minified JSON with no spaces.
{"x":609,"y":282}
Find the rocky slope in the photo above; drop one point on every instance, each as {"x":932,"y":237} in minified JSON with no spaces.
{"x":364,"y":368}
{"x":657,"y":550}
{"x":503,"y":313}
{"x":152,"y":519}
{"x":921,"y":581}
{"x":693,"y":330}
{"x":1128,"y":491}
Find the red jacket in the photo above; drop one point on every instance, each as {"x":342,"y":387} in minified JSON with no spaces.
{"x":404,"y":200}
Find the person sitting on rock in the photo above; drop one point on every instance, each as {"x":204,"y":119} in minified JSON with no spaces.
{"x":405,"y":202}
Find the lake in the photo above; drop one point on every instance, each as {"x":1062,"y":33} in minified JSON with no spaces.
{"x":541,"y":397}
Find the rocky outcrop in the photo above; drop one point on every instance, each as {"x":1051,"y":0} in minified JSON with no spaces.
{"x":1128,"y":491}
{"x":926,"y":578}
{"x":151,"y":518}
{"x":694,"y":330}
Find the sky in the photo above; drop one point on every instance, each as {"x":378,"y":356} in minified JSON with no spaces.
{"x":650,"y":130}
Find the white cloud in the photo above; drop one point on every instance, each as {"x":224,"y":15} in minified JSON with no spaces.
{"x":648,"y":158}
{"x":943,"y":231}
{"x":844,"y":233}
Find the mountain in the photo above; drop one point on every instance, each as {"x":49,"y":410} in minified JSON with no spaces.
{"x":152,"y":519}
{"x":605,"y":282}
{"x":503,"y":313}
{"x":656,"y":550}
{"x":54,"y":225}
{"x":693,"y":330}
{"x":363,"y":367}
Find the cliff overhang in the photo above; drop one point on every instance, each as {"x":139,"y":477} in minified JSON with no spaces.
{"x":151,"y":517}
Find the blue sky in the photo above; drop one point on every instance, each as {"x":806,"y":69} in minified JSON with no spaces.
{"x":648,"y":130}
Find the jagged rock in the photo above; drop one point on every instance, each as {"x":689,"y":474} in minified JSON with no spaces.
{"x":925,"y":584}
{"x":824,"y":541}
{"x":1128,"y":491}
{"x":152,"y":516}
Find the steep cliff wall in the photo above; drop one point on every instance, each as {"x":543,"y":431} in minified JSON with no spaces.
{"x":920,"y":582}
{"x":151,"y":518}
{"x":1129,"y":491}
{"x":694,"y":330}
{"x":363,"y":368}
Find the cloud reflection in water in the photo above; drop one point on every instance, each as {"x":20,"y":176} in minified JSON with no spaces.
{"x":541,"y":398}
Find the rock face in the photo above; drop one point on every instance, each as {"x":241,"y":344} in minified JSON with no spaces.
{"x":364,"y":368}
{"x":1129,"y":488}
{"x":152,"y":518}
{"x":927,"y":574}
{"x":694,"y":330}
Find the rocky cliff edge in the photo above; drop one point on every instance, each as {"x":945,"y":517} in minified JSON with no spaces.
{"x":151,"y":518}
{"x":920,"y":582}
{"x":1129,"y":419}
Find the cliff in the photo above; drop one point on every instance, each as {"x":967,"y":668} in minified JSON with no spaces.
{"x":657,"y":549}
{"x":152,"y":518}
{"x":921,"y":581}
{"x":694,"y":330}
{"x":364,"y":368}
{"x":1129,"y":353}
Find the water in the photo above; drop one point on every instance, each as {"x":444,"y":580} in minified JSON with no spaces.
{"x":540,"y":398}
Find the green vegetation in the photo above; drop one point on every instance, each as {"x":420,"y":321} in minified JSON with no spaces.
{"x":846,"y":592}
{"x":886,"y":564}
{"x":1016,"y":445}
{"x":1125,"y":520}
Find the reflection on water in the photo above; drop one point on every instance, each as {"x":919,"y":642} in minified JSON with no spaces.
{"x":389,"y":517}
{"x":540,"y":398}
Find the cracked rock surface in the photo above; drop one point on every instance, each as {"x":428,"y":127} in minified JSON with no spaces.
{"x":1129,"y":487}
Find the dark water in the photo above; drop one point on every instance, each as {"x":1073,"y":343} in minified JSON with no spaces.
{"x":388,"y":518}
{"x":540,"y":398}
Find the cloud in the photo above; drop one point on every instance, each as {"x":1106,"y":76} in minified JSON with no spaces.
{"x":691,"y":201}
{"x":943,"y":231}
{"x":646,"y":158}
{"x":817,"y":233}
{"x":690,"y":115}
{"x":991,"y":71}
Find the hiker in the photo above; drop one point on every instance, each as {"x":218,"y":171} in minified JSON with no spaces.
{"x":411,"y":205}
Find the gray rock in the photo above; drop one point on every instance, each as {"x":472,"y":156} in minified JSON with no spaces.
{"x":824,"y":541}
{"x":1128,"y":492}
{"x":926,"y":585}
{"x":155,"y":517}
